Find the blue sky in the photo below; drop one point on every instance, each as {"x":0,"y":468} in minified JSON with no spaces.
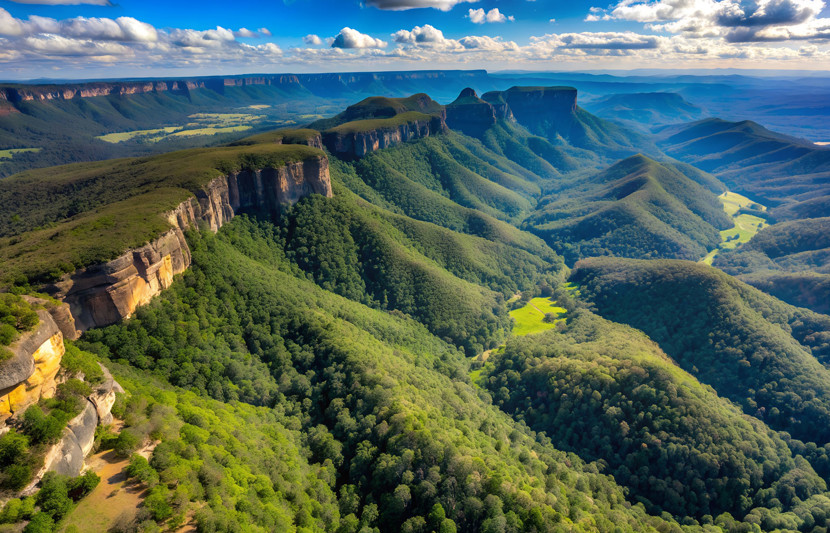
{"x":44,"y":38}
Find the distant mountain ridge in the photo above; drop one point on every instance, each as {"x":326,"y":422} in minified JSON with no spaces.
{"x":786,"y":173}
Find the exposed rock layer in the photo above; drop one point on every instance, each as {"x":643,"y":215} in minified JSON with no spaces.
{"x":106,"y":293}
{"x":355,"y":144}
{"x":30,"y":373}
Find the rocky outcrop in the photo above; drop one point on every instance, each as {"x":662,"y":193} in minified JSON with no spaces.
{"x":500,"y":107}
{"x":29,"y":374}
{"x":470,"y":114}
{"x":67,"y":457}
{"x":106,"y":293}
{"x":542,"y":110}
{"x":353,"y":144}
{"x":103,"y":397}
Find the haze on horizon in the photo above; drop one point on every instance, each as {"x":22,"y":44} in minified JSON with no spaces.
{"x":96,"y":38}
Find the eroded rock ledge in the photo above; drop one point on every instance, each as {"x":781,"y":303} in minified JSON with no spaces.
{"x":356,"y":144}
{"x":106,"y":293}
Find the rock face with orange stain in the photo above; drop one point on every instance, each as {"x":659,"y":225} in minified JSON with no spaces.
{"x":30,"y":373}
{"x":106,"y":293}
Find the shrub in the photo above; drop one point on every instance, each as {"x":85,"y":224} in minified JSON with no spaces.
{"x":40,"y":523}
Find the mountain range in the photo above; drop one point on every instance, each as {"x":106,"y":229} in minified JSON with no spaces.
{"x":484,"y":315}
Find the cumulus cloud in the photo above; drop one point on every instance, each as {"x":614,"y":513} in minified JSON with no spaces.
{"x":349,"y":38}
{"x":312,"y":40}
{"x":732,"y":20}
{"x":419,"y":34}
{"x":264,"y":31}
{"x":479,"y":16}
{"x":245,"y":32}
{"x":401,"y":5}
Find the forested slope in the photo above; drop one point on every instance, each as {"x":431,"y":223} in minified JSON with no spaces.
{"x":761,"y":353}
{"x":637,"y":208}
{"x":790,"y":260}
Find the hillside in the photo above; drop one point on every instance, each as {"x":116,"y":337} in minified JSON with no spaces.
{"x":637,"y":208}
{"x":646,"y":110}
{"x":790,"y":260}
{"x":349,"y":299}
{"x":785,"y":173}
{"x":606,"y":392}
{"x":764,"y":355}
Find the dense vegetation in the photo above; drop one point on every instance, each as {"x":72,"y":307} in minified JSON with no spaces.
{"x":790,"y":260}
{"x":16,"y":316}
{"x":787,"y":173}
{"x":637,"y":208}
{"x":383,"y":406}
{"x":753,"y":349}
{"x":607,"y":393}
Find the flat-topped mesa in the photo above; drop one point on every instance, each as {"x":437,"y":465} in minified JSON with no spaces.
{"x":106,"y":293}
{"x":304,"y":136}
{"x":470,"y":114}
{"x":356,"y":139}
{"x":542,"y":110}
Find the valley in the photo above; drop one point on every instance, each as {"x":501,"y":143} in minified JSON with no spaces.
{"x":437,"y":301}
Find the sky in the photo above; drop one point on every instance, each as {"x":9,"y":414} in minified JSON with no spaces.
{"x":145,"y":38}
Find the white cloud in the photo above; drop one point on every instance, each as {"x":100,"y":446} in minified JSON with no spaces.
{"x":245,"y":32}
{"x":312,"y":40}
{"x":264,"y":31}
{"x":419,"y":34}
{"x":732,"y":20}
{"x":349,"y":38}
{"x":8,"y":24}
{"x":401,"y":5}
{"x":479,"y":16}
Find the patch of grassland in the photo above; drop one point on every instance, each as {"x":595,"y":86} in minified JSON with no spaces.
{"x":150,"y":135}
{"x":8,"y":154}
{"x":530,"y":318}
{"x":209,"y":131}
{"x":220,"y":120}
{"x":358,"y":126}
{"x":746,"y":225}
{"x":115,"y":495}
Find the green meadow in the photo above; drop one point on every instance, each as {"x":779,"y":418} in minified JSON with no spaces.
{"x":530,"y":318}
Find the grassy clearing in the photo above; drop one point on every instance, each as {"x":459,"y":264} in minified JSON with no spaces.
{"x":530,"y":318}
{"x":99,"y":510}
{"x":149,"y":135}
{"x":209,"y":131}
{"x":203,"y":124}
{"x":746,"y":225}
{"x":8,"y":154}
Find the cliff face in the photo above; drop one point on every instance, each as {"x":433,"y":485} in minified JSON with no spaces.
{"x":470,"y":114}
{"x":104,"y":294}
{"x":318,"y":84}
{"x":542,"y":110}
{"x":30,"y":373}
{"x":356,"y":144}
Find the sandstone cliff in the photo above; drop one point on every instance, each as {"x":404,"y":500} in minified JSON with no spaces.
{"x":106,"y":293}
{"x":470,"y":114}
{"x":356,"y":139}
{"x":544,"y":111}
{"x":30,"y":373}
